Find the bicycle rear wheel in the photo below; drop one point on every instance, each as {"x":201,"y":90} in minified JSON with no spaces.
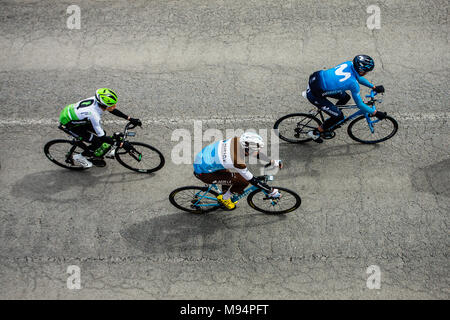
{"x":142,"y":158}
{"x":61,"y":152}
{"x":294,"y":127}
{"x":384,"y":129}
{"x":194,"y":199}
{"x":288,"y":202}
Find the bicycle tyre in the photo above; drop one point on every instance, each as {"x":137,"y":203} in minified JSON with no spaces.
{"x":352,"y":135}
{"x":199,"y":210}
{"x":48,"y":153}
{"x":283,"y":192}
{"x":293,"y":139}
{"x":125,"y":159}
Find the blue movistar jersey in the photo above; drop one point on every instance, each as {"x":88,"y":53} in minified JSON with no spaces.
{"x":344,"y":77}
{"x":208,"y":160}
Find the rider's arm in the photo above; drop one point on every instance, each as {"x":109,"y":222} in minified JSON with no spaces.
{"x":247,"y":175}
{"x":359,"y":102}
{"x":365,"y":82}
{"x":95,"y":121}
{"x":263,"y":157}
{"x":260,"y":184}
{"x":120,"y":114}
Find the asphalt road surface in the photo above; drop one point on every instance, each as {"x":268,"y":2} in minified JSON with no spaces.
{"x":232,"y":65}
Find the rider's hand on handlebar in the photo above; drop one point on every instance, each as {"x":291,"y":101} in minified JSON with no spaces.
{"x":274,"y":194}
{"x":380,"y":114}
{"x":118,"y":136}
{"x":276,"y":163}
{"x":136,"y":122}
{"x":378,"y":89}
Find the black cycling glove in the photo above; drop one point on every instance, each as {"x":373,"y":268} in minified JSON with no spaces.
{"x":380,"y":115}
{"x":379,"y":89}
{"x":136,"y":122}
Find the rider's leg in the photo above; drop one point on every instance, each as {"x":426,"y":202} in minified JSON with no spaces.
{"x":226,"y":179}
{"x":222,"y":177}
{"x":328,"y":107}
{"x":314,"y":95}
{"x":80,"y":129}
{"x":84,"y":131}
{"x":335,"y":114}
{"x":342,"y":98}
{"x":239,"y":183}
{"x":317,"y":96}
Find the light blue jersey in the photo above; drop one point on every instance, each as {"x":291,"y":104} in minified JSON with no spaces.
{"x":344,"y":77}
{"x":208,"y":160}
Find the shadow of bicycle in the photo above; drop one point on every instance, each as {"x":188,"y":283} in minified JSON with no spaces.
{"x":183,"y":232}
{"x":308,"y":151}
{"x":64,"y":185}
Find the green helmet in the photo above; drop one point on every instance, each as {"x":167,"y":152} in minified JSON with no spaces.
{"x":106,"y":97}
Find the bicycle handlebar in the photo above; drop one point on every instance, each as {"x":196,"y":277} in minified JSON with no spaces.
{"x":372,"y":94}
{"x":130,"y":126}
{"x":124,"y":134}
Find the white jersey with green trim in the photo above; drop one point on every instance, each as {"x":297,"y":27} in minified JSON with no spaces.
{"x":90,"y":109}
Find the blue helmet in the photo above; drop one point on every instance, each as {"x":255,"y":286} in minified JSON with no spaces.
{"x":364,"y":63}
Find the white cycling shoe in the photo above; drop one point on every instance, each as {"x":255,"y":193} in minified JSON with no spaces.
{"x":79,"y":158}
{"x":315,"y":135}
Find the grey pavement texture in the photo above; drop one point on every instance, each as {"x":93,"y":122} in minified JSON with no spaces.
{"x":246,"y":61}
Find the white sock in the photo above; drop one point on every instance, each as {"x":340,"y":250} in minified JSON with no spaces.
{"x":227,"y":195}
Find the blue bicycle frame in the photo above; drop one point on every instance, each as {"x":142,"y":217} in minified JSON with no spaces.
{"x":356,"y":114}
{"x":234,"y":198}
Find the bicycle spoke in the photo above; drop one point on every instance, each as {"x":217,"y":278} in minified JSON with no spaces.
{"x":294,"y":128}
{"x":141,"y":158}
{"x":58,"y":150}
{"x":382,"y":129}
{"x":194,"y":200}
{"x":280,"y":205}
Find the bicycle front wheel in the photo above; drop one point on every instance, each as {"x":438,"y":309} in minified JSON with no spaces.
{"x":194,"y":199}
{"x":142,"y":158}
{"x":384,"y":129}
{"x":294,"y":127}
{"x":288,"y":202}
{"x":61,"y":152}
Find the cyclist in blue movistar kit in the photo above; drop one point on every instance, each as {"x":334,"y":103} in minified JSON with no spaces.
{"x":333,"y":83}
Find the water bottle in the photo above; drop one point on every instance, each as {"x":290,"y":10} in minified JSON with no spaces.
{"x":102,"y":150}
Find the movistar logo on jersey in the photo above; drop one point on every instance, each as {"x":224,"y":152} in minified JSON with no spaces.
{"x":340,"y":72}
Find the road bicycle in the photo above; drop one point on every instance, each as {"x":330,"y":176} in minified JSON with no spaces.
{"x":197,"y":199}
{"x":364,"y":128}
{"x":136,"y":156}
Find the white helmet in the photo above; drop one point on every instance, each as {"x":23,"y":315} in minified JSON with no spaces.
{"x":252,"y":141}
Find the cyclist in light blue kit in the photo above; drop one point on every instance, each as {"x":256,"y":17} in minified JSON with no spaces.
{"x":333,"y":83}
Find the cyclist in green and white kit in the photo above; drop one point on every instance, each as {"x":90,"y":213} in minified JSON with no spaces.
{"x":83,"y":120}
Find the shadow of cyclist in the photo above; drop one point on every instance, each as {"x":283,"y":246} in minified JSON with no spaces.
{"x":308,"y":151}
{"x":52,"y":185}
{"x":183,"y":232}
